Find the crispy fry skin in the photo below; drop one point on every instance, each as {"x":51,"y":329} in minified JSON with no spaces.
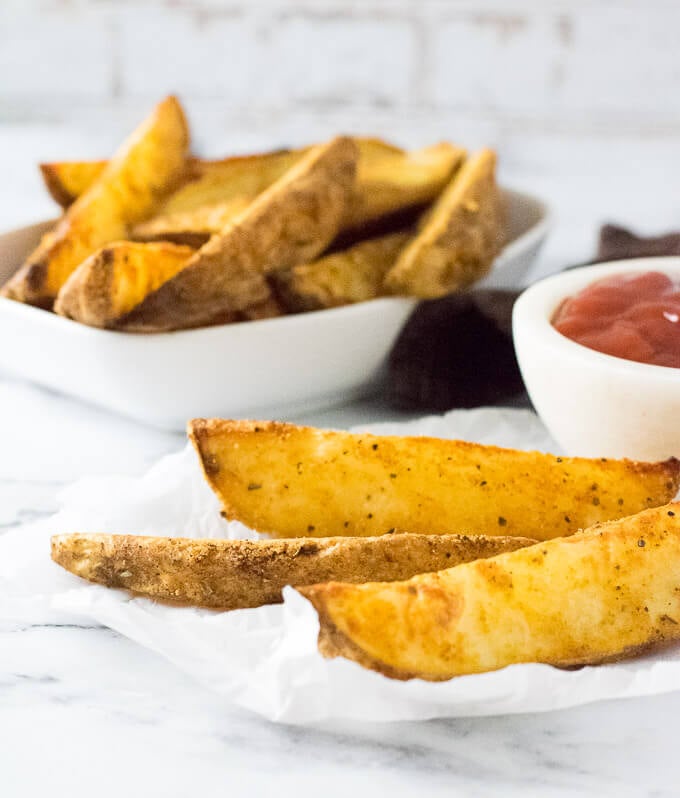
{"x":461,"y":236}
{"x":598,"y":596}
{"x":289,"y":223}
{"x":116,"y":278}
{"x":67,"y":180}
{"x":142,"y":172}
{"x":354,"y":274}
{"x":360,"y":484}
{"x":234,"y":574}
{"x":389,"y":180}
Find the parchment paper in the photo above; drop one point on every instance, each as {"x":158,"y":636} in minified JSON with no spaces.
{"x":265,"y":659}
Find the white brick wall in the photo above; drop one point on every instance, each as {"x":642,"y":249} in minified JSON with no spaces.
{"x":339,"y":60}
{"x":44,"y":53}
{"x":582,"y":99}
{"x":214,"y":58}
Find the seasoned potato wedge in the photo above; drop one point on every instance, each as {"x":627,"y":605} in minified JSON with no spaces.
{"x":192,"y":227}
{"x":289,"y":223}
{"x":204,"y":182}
{"x":233,"y":574}
{"x":144,"y":170}
{"x":339,"y":483}
{"x":601,"y":595}
{"x":229,"y":179}
{"x":108,"y":284}
{"x":351,"y":275}
{"x":461,"y":235}
{"x":67,"y":180}
{"x":389,"y":180}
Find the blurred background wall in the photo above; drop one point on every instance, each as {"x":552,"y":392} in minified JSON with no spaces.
{"x":581,"y":99}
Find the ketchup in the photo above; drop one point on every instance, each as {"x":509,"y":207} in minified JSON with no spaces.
{"x":632,"y":316}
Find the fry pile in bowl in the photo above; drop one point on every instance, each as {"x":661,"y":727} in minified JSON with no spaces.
{"x":156,"y":239}
{"x":423,"y":557}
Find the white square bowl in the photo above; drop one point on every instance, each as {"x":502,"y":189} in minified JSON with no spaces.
{"x":273,"y":367}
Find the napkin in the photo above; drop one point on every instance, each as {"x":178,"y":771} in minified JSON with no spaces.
{"x":266,"y":659}
{"x":458,"y":351}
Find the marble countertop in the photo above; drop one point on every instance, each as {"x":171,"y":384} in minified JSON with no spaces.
{"x":84,"y":711}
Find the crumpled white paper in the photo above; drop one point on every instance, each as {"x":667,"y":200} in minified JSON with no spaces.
{"x":266,"y":659}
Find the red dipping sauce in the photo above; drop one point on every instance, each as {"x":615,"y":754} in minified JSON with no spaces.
{"x":632,"y":316}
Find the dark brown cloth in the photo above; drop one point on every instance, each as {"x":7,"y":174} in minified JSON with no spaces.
{"x":458,"y":351}
{"x":618,"y":243}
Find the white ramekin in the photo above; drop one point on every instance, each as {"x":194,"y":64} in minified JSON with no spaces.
{"x":595,"y":405}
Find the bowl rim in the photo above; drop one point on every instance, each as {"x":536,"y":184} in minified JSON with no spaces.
{"x":536,"y":306}
{"x":532,"y":235}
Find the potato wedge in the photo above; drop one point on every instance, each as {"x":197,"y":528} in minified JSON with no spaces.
{"x":289,"y":223}
{"x":355,"y":274}
{"x":390,"y":180}
{"x":598,"y":596}
{"x":229,"y":179}
{"x":67,"y":180}
{"x":144,"y":170}
{"x":204,"y":182}
{"x":341,"y":483}
{"x":460,"y":238}
{"x":116,"y":278}
{"x":234,"y":574}
{"x":192,"y":227}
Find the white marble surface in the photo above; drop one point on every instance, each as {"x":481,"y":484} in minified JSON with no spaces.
{"x":83,"y":711}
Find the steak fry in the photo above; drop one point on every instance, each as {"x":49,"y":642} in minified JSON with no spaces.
{"x":289,"y":223}
{"x":144,"y":170}
{"x":595,"y":597}
{"x":233,"y":574}
{"x":343,"y":483}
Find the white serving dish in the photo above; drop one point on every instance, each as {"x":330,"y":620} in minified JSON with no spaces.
{"x":276,"y":367}
{"x":595,"y":405}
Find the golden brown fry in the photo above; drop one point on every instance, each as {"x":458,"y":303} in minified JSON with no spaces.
{"x":341,"y":483}
{"x":390,"y":180}
{"x":598,"y":596}
{"x":145,"y":168}
{"x":289,"y":223}
{"x":236,"y":178}
{"x":355,"y":274}
{"x":234,"y":574}
{"x":460,"y":238}
{"x":191,"y":227}
{"x":116,"y":278}
{"x":67,"y":180}
{"x":204,"y":182}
